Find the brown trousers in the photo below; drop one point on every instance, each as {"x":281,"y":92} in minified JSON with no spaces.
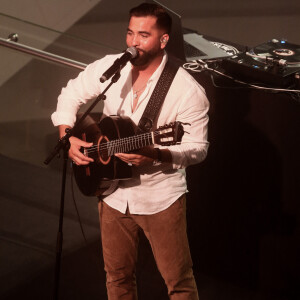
{"x":166,"y":232}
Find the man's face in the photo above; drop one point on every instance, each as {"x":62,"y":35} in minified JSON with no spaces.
{"x":143,"y":34}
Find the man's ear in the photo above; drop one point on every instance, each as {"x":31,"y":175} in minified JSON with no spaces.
{"x":164,"y":40}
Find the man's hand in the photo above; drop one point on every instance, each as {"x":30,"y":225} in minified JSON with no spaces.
{"x":75,"y":154}
{"x":75,"y":144}
{"x":144,"y":156}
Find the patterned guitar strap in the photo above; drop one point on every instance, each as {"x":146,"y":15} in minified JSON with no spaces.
{"x":158,"y":96}
{"x":151,"y":111}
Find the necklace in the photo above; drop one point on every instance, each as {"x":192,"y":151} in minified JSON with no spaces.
{"x":136,"y":92}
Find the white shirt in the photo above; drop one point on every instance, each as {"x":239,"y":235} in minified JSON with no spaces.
{"x":151,"y":189}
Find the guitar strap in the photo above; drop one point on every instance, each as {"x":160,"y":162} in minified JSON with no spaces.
{"x":158,"y":96}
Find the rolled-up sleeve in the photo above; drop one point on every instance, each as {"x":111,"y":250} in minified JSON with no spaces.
{"x":84,"y":87}
{"x":193,"y":113}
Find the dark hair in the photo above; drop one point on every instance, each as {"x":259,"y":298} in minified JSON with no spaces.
{"x":164,"y":21}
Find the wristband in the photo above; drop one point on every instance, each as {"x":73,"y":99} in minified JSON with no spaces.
{"x":158,"y":159}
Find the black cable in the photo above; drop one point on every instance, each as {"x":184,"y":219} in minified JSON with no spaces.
{"x":76,"y":208}
{"x":200,"y":66}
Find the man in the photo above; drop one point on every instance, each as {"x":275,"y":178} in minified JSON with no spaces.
{"x":153,"y":200}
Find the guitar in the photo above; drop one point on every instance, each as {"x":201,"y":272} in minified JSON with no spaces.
{"x":115,"y":134}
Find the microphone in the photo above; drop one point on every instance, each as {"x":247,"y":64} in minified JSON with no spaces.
{"x":119,"y":63}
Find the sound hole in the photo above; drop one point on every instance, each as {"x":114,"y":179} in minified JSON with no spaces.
{"x":103,"y":155}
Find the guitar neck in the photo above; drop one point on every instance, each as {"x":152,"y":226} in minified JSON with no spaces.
{"x":130,"y":143}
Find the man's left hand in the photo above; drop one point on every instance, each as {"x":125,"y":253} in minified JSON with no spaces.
{"x":142,"y":157}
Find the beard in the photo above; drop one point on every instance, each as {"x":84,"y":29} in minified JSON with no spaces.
{"x":144,"y":58}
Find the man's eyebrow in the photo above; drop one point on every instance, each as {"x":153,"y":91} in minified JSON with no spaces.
{"x":144,"y":32}
{"x":140,"y":32}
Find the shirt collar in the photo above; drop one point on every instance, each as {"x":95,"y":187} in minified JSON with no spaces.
{"x":160,"y":68}
{"x":158,"y":71}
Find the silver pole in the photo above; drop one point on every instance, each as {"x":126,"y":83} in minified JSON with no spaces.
{"x":11,"y":43}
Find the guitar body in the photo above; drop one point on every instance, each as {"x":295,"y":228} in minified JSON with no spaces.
{"x":110,"y":136}
{"x":101,"y":177}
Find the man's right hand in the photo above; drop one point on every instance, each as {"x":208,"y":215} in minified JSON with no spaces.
{"x":75,"y":144}
{"x":76,"y":155}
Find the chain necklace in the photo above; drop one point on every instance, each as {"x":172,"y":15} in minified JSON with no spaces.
{"x":136,"y":92}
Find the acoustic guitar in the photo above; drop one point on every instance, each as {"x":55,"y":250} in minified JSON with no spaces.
{"x":115,"y":134}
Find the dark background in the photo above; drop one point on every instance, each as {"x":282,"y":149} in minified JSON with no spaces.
{"x":243,"y":200}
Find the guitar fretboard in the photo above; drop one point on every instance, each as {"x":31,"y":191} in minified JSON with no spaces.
{"x":123,"y":145}
{"x":128,"y":144}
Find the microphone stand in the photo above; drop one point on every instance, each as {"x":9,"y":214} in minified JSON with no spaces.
{"x":64,"y":144}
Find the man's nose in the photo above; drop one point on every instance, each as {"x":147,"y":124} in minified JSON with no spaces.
{"x":135,"y":40}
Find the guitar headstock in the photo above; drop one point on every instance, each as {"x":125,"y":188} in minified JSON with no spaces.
{"x":169,"y":134}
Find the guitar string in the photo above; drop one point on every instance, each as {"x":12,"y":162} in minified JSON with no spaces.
{"x":122,"y":141}
{"x":125,"y":143}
